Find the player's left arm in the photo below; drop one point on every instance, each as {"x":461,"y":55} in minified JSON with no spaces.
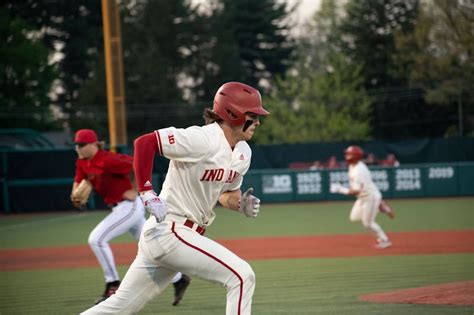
{"x":353,"y":192}
{"x":246,"y":203}
{"x":230,"y":199}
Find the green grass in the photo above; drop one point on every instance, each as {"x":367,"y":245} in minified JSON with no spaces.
{"x":274,"y":220}
{"x":296,"y":286}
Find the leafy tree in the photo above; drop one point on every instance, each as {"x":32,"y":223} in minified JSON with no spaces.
{"x":438,"y":57}
{"x":25,"y":77}
{"x":72,"y":33}
{"x":247,"y":41}
{"x":366,"y":36}
{"x":323,"y":98}
{"x":331,"y":106}
{"x":155,"y":35}
{"x":320,"y":36}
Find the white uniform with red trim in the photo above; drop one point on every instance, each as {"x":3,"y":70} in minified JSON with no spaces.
{"x":202,"y":167}
{"x":365,"y":208}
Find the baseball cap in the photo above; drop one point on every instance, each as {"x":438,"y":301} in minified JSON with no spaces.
{"x":85,"y":136}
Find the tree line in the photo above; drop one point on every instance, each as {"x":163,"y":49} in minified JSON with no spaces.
{"x":388,"y":69}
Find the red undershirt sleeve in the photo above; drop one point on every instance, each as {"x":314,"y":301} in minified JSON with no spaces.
{"x":145,"y":148}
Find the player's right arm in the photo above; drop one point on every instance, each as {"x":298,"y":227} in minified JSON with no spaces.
{"x":77,"y":179}
{"x":145,"y":148}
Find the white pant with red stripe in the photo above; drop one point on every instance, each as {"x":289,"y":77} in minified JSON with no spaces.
{"x":127,"y":216}
{"x":365,"y":209}
{"x":168,"y":247}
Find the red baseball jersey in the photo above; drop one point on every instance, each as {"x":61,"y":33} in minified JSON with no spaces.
{"x":108,"y":172}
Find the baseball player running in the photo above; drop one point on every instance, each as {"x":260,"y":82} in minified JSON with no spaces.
{"x":207,"y":165}
{"x":366,"y":207}
{"x":109,"y":175}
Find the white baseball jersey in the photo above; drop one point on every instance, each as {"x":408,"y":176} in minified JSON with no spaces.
{"x":202,"y":167}
{"x":360,"y":179}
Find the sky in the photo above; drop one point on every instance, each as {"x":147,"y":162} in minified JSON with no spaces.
{"x":306,"y":8}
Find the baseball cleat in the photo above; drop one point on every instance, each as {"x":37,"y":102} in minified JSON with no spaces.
{"x":179,"y":288}
{"x":110,"y":289}
{"x":385,"y":208}
{"x":383,"y":244}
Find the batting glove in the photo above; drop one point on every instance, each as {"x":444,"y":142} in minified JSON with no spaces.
{"x":249,"y":205}
{"x":337,"y":188}
{"x":154,"y":205}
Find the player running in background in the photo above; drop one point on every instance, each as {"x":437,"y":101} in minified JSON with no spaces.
{"x":109,"y":174}
{"x":207,"y":165}
{"x":368,"y":196}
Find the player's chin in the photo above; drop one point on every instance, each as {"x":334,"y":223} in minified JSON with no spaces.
{"x":248,"y":135}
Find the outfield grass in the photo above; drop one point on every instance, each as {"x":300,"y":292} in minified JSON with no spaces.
{"x":296,"y":286}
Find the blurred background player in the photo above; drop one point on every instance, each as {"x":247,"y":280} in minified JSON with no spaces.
{"x":390,"y":160}
{"x":207,"y":165}
{"x":368,"y":196}
{"x":109,"y":173}
{"x":370,"y":159}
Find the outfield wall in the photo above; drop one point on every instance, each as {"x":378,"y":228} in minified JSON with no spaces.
{"x":415,"y":180}
{"x":42,"y":180}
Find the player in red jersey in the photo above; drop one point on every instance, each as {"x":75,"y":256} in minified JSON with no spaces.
{"x":110,"y":175}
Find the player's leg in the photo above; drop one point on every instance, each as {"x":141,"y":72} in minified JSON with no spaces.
{"x":143,"y":281}
{"x":384,"y":207}
{"x":370,"y":207}
{"x":180,"y":282}
{"x":199,"y":256}
{"x":123,"y":217}
{"x":356,"y":211}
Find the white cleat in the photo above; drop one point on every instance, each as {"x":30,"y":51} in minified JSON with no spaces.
{"x":383,"y":244}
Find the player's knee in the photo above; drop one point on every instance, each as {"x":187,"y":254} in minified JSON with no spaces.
{"x":248,"y":275}
{"x":244,"y":275}
{"x":353,"y":218}
{"x":366,"y":224}
{"x":94,"y":241}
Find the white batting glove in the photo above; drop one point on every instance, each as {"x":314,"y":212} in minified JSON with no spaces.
{"x":337,"y":188}
{"x":154,"y":205}
{"x":249,"y":205}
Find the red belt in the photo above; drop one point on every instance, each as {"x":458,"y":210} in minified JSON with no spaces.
{"x":191,"y":224}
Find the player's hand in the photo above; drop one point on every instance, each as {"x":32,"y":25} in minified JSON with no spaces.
{"x":76,"y":202}
{"x":334,"y":188}
{"x":154,"y":205}
{"x":337,"y":188}
{"x":249,"y":205}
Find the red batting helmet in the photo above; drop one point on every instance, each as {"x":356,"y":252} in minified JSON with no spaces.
{"x":234,"y":99}
{"x":353,"y":154}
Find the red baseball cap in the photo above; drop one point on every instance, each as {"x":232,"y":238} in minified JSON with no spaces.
{"x":85,"y":136}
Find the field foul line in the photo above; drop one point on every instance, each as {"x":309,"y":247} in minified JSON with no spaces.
{"x":43,"y":221}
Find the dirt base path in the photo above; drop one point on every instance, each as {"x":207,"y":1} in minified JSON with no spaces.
{"x":347,"y":245}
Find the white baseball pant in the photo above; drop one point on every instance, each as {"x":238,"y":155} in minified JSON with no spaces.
{"x":126,"y":216}
{"x":365,"y":209}
{"x":170,"y":246}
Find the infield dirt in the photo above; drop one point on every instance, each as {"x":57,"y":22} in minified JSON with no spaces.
{"x":342,"y":245}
